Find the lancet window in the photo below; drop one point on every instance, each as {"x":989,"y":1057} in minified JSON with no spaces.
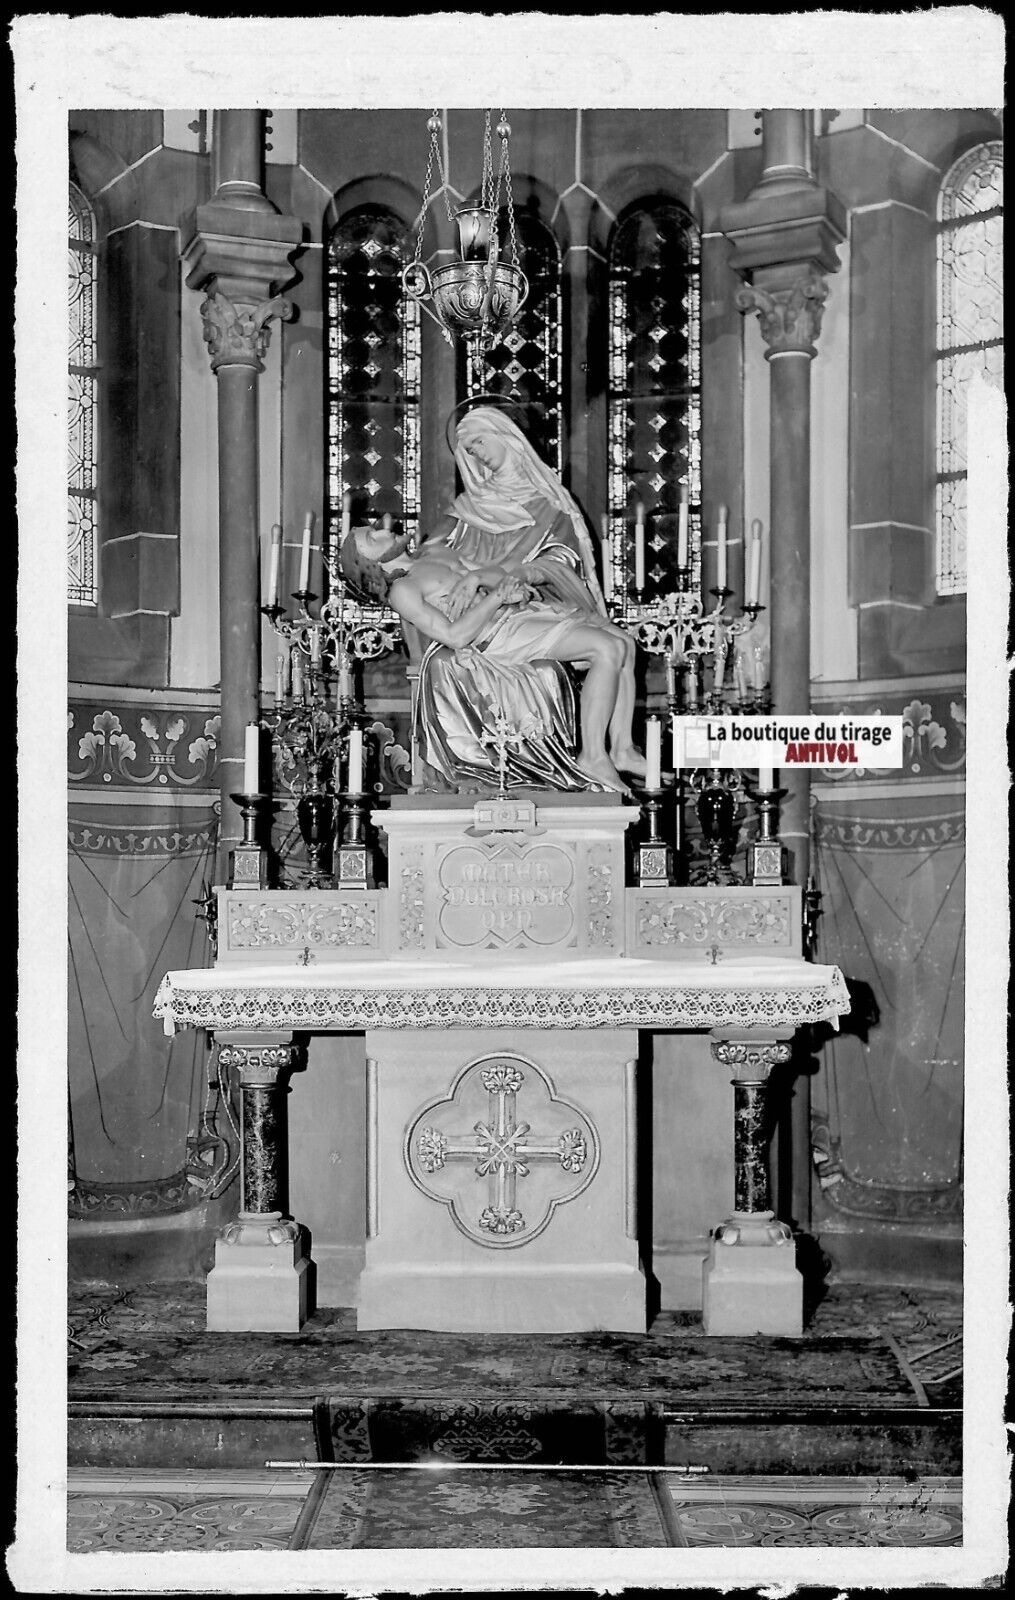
{"x":525,"y":366}
{"x":654,"y":385}
{"x":373,"y":374}
{"x":968,"y":334}
{"x":82,"y":380}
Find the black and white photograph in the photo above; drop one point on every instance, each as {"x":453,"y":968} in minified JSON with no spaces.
{"x":530,"y":634}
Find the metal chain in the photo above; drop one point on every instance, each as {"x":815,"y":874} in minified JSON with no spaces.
{"x":434,"y":153}
{"x":486,"y":183}
{"x":505,"y":173}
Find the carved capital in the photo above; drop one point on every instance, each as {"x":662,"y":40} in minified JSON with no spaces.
{"x":256,"y":1232}
{"x":237,"y":336}
{"x":790,"y":318}
{"x":258,"y":1065}
{"x":751,"y":1060}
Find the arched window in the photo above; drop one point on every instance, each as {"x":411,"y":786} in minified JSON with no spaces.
{"x":373,"y":373}
{"x":525,"y":365}
{"x":82,"y":375}
{"x":968,"y":333}
{"x":654,"y":389}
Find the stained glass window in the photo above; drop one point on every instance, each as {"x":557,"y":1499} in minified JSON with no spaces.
{"x":82,"y":376}
{"x":968,"y":334}
{"x":654,"y":392}
{"x":373,"y":374}
{"x":525,"y":365}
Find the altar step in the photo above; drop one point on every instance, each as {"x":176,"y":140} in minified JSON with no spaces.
{"x":798,"y":1439}
{"x":672,"y":1397}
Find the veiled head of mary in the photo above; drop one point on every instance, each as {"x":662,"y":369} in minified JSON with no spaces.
{"x":496,"y":461}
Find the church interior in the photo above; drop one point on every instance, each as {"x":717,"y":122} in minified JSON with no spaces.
{"x":743,"y":348}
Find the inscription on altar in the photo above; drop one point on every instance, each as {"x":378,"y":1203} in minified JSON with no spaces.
{"x":499,"y":896}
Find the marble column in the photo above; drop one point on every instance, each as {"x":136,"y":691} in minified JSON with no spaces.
{"x":751,"y":1283}
{"x":784,"y":239}
{"x":259,"y":1282}
{"x":238,"y":254}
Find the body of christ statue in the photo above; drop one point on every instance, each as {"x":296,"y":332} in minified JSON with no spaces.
{"x":505,"y":591}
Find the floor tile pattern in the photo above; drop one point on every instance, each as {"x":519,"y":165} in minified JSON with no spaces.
{"x":183,"y":1510}
{"x":761,"y":1512}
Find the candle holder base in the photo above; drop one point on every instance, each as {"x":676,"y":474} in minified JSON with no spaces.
{"x":354,"y":867}
{"x":654,"y":866}
{"x":766,"y":863}
{"x":248,"y":860}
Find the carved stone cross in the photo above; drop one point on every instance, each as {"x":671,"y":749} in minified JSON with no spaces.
{"x":501,"y":1149}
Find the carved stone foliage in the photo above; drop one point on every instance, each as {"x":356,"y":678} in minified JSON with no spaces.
{"x":133,"y":748}
{"x":790,"y":318}
{"x":411,"y":900}
{"x":745,"y":1056}
{"x":237,"y":336}
{"x":600,"y":897}
{"x":253,"y":924}
{"x":738,"y":921}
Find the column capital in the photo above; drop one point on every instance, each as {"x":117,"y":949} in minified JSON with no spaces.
{"x":751,"y":1060}
{"x":237,"y":335}
{"x":789,"y":315}
{"x":258,"y":1063}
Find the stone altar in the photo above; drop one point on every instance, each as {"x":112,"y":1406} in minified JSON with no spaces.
{"x":507,"y":985}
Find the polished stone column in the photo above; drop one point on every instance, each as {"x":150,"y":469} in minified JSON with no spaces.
{"x":238,"y":254}
{"x":784,"y":239}
{"x":260,"y":1278}
{"x":751,"y":1282}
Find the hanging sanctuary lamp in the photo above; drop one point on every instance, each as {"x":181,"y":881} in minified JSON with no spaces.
{"x":478,"y":296}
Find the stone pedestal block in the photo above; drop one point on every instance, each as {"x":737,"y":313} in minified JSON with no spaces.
{"x":501,"y":1183}
{"x":260,"y":1280}
{"x":750,"y":1279}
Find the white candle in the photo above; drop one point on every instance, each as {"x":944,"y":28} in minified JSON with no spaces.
{"x":386,"y":522}
{"x":274,"y":573}
{"x":720,"y":563}
{"x":675,"y":735}
{"x":607,"y":560}
{"x":346,"y":514}
{"x":682,"y":528}
{"x":720,"y":659}
{"x":315,"y":647}
{"x":344,"y":682}
{"x":639,"y":547}
{"x":298,"y":674}
{"x":308,"y":526}
{"x":753,"y":591}
{"x":766,"y":778}
{"x":671,"y":678}
{"x":355,"y":761}
{"x":251,"y":758}
{"x":279,"y":679}
{"x":653,"y":753}
{"x":692,"y":682}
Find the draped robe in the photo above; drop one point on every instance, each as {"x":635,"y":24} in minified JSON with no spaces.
{"x":504,"y":670}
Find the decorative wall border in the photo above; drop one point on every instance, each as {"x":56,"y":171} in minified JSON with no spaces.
{"x":933,"y":730}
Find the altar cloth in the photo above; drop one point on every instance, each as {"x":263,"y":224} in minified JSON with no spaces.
{"x":739,"y":991}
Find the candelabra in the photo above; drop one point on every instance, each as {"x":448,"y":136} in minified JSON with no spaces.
{"x":317,"y":711}
{"x":766,"y":855}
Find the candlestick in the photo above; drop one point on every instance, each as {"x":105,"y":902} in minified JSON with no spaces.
{"x":251,"y":758}
{"x":653,"y":753}
{"x":304,"y":583}
{"x":753,"y":586}
{"x":639,"y":547}
{"x":274,"y":572}
{"x":682,"y":528}
{"x":720,"y":569}
{"x":355,"y":781}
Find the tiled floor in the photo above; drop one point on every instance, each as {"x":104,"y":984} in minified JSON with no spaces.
{"x":263,"y":1510}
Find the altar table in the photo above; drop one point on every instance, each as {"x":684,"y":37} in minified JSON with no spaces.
{"x":519,"y":1072}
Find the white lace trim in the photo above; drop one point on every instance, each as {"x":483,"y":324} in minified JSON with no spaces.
{"x":279,"y":1006}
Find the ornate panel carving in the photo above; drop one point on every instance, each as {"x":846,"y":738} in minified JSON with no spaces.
{"x":682,"y":920}
{"x":273,"y":924}
{"x":476,"y":1132}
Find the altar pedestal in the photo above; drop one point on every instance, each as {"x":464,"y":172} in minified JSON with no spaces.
{"x":501,"y":1182}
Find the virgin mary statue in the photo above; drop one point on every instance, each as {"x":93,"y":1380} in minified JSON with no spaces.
{"x":515,"y":515}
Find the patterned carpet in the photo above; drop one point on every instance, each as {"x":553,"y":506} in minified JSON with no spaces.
{"x":149,"y":1386}
{"x":359,"y":1510}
